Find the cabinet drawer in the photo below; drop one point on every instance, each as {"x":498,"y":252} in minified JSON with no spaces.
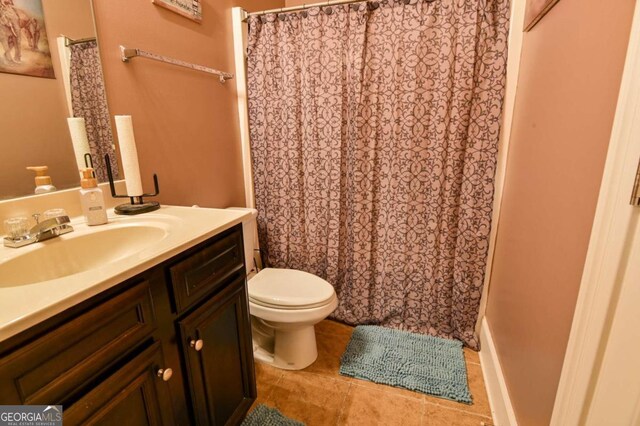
{"x":134,"y":395}
{"x":49,"y":369}
{"x":204,"y":271}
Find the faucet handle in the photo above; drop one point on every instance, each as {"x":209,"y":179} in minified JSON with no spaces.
{"x":36,"y":217}
{"x":16,"y":227}
{"x":17,"y":232}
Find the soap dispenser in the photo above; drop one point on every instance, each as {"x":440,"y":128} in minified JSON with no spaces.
{"x":92,"y":199}
{"x":43,"y":181}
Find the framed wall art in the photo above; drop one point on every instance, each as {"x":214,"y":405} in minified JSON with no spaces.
{"x":24,"y":47}
{"x":535,"y":11}
{"x":191,"y":9}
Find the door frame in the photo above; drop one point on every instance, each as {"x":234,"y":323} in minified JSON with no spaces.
{"x":604,"y":277}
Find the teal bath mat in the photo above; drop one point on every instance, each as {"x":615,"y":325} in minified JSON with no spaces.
{"x":412,"y":361}
{"x":263,"y":415}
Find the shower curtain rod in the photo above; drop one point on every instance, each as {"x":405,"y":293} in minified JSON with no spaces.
{"x":70,"y":42}
{"x":304,"y":6}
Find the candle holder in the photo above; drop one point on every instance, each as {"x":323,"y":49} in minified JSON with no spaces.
{"x":137,"y":204}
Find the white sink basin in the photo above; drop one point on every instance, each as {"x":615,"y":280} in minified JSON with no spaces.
{"x":73,"y":254}
{"x":40,"y":280}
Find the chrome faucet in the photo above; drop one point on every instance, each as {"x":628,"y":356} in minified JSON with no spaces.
{"x":50,"y":228}
{"x":42,"y":231}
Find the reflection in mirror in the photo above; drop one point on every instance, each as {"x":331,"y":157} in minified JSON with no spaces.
{"x":36,"y":104}
{"x":91,"y":129}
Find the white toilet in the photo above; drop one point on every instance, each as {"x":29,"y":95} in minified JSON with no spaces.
{"x":285,"y":304}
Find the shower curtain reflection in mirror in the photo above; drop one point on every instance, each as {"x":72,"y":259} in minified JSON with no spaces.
{"x":87,"y":96}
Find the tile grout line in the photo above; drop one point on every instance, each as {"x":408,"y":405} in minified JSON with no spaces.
{"x":344,"y":401}
{"x":275,"y":383}
{"x":424,"y":411}
{"x":419,"y":396}
{"x":333,"y":376}
{"x":446,"y":407}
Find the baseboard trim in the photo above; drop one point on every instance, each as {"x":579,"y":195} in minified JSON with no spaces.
{"x":501,"y":408}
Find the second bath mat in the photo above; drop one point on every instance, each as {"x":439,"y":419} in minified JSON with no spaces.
{"x":412,"y":361}
{"x":264,"y":415}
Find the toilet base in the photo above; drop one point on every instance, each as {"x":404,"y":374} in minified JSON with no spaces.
{"x":286,"y":338}
{"x":294,"y":347}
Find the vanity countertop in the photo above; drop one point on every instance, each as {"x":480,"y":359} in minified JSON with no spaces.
{"x":172,"y":229}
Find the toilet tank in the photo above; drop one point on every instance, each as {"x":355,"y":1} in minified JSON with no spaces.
{"x":250,"y":237}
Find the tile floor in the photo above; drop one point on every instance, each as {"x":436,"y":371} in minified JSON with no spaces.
{"x":319,"y":395}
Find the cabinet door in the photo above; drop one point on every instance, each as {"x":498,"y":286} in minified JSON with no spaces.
{"x":136,"y":394}
{"x":216,"y":340}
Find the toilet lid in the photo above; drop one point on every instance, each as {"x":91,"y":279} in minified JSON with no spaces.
{"x":289,"y":288}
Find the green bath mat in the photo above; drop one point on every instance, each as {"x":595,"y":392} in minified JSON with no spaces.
{"x":416,"y":362}
{"x":263,"y":415}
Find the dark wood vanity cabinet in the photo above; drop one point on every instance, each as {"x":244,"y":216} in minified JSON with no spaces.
{"x":171,"y":346}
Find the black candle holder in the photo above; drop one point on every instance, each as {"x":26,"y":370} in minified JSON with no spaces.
{"x":137,"y":204}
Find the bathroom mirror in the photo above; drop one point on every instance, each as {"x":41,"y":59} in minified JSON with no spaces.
{"x":39,"y":94}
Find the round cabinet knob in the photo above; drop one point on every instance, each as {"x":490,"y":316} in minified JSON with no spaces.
{"x":197,"y":344}
{"x":165,"y":374}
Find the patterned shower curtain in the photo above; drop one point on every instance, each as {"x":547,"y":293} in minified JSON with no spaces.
{"x":89,"y":101}
{"x":374,"y":130}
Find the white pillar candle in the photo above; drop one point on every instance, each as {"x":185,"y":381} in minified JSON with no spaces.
{"x":78,"y":132}
{"x":129,"y":154}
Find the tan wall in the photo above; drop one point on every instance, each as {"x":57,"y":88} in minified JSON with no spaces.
{"x":570,"y":74}
{"x":299,"y":2}
{"x":185,"y":122}
{"x":33,"y":111}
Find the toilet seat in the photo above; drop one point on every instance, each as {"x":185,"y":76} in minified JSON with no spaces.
{"x":289,"y":289}
{"x":292,"y":308}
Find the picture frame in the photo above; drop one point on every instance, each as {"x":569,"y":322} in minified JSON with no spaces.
{"x":24,"y":45}
{"x":191,"y":9}
{"x":535,"y":11}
